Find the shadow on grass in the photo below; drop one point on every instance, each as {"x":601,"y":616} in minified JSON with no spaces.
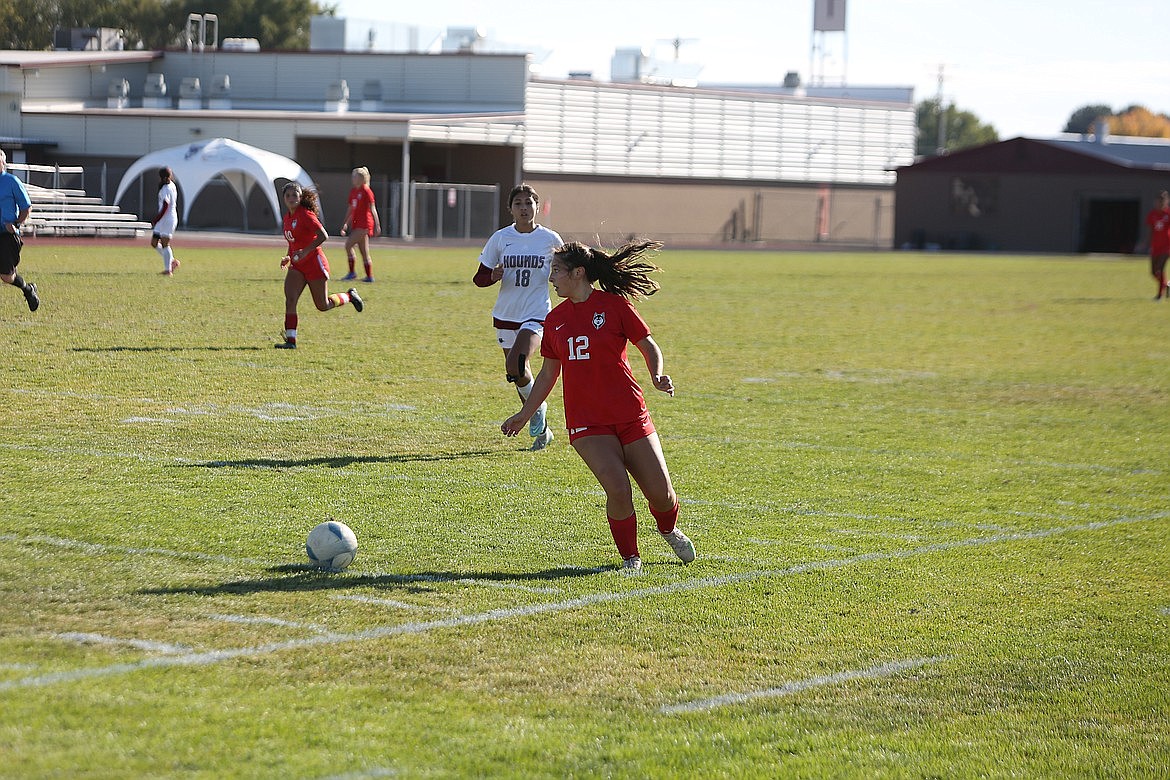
{"x":339,"y":461}
{"x":304,"y":578}
{"x":164,"y":349}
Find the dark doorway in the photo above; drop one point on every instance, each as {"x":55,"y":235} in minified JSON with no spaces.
{"x":1110,"y":225}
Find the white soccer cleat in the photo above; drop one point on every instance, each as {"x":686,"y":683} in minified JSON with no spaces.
{"x":537,"y":424}
{"x":683,"y":547}
{"x":632,"y":565}
{"x":542,"y":441}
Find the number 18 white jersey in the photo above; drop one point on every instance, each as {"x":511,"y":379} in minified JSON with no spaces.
{"x":526,"y":258}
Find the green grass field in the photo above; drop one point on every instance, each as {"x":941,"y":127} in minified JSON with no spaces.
{"x":929,"y":493}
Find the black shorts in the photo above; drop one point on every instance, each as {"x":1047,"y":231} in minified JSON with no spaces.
{"x":10,"y":244}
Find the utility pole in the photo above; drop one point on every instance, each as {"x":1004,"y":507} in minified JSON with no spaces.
{"x":941,"y":148}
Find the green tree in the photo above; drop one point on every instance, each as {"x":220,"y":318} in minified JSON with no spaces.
{"x":1082,"y":119}
{"x":157,"y":24}
{"x":277,"y":24}
{"x":963,"y":129}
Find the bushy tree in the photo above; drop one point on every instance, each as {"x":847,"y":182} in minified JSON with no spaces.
{"x":157,"y":24}
{"x":1140,"y":121}
{"x":1083,"y":118}
{"x":963,"y":129}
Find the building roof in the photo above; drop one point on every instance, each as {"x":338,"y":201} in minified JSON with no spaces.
{"x":48,"y":59}
{"x":1064,"y":154}
{"x":1149,"y":153}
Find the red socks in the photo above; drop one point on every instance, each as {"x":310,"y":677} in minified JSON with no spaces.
{"x":666,"y":520}
{"x":625,"y":535}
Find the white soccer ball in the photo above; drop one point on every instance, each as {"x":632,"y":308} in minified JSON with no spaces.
{"x":331,"y":545}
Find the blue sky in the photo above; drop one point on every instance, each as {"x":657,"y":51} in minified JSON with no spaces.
{"x":1021,"y":65}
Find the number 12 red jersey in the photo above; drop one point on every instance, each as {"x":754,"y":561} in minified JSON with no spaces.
{"x":589,"y":339}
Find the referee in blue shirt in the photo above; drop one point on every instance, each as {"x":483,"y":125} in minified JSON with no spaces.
{"x":14,"y":208}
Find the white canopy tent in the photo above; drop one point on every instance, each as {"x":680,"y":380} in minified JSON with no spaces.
{"x":243,"y":167}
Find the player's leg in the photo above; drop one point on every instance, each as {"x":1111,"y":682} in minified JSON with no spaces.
{"x":604,"y":457}
{"x":157,"y":245}
{"x":647,"y":465}
{"x":1158,"y":268}
{"x":528,"y":344}
{"x":9,"y":259}
{"x":170,"y":262}
{"x":319,"y":289}
{"x":351,"y":240}
{"x":364,"y":248}
{"x":294,"y":285}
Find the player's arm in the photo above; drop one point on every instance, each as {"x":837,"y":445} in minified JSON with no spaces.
{"x":486,"y":277}
{"x":654,"y":362}
{"x":374,"y":214}
{"x":550,"y":371}
{"x":317,"y":241}
{"x":166,"y":206}
{"x":347,"y":220}
{"x":20,"y":220}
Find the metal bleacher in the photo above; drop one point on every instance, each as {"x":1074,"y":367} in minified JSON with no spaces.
{"x":62,"y":211}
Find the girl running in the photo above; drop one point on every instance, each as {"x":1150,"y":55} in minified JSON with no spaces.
{"x":605,"y":410}
{"x":518,"y":257}
{"x":306,"y":263}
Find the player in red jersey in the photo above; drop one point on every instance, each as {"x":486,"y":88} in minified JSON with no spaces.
{"x":1159,"y":221}
{"x":306,"y":263}
{"x":609,"y":426}
{"x":361,"y":222}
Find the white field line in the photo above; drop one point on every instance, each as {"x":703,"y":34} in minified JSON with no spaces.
{"x":507,"y":586}
{"x":787,"y":689}
{"x":362,"y":774}
{"x":276,"y":411}
{"x":100,"y":549}
{"x":509,"y":613}
{"x":270,"y":621}
{"x":382,"y":602}
{"x":1165,"y":610}
{"x":140,"y":644}
{"x":922,"y":454}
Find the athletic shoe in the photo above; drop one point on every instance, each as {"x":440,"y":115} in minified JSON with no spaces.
{"x":349,"y":277}
{"x":286,"y":344}
{"x":537,"y":424}
{"x":368,"y":279}
{"x":30,"y":295}
{"x":632,"y":565}
{"x":542,"y":441}
{"x":175,"y":264}
{"x":683,"y":547}
{"x":356,"y":299}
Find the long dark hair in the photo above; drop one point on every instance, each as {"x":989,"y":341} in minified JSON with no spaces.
{"x":625,"y":272}
{"x":305,"y":197}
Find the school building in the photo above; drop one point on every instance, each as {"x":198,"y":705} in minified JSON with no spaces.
{"x":446,"y":134}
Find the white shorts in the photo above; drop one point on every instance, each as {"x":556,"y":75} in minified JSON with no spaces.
{"x":507,"y":338}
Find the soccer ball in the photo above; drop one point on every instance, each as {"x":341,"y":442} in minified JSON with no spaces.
{"x":331,"y":545}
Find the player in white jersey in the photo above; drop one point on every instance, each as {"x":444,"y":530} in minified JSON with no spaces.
{"x":166,"y":221}
{"x":519,"y":257}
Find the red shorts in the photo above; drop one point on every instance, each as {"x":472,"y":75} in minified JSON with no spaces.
{"x":626,"y":432}
{"x":313,"y":267}
{"x":361,"y":230}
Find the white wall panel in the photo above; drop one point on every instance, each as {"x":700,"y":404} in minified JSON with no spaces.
{"x":613,"y":129}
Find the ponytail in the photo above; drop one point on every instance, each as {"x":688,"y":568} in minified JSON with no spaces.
{"x":626,"y":272}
